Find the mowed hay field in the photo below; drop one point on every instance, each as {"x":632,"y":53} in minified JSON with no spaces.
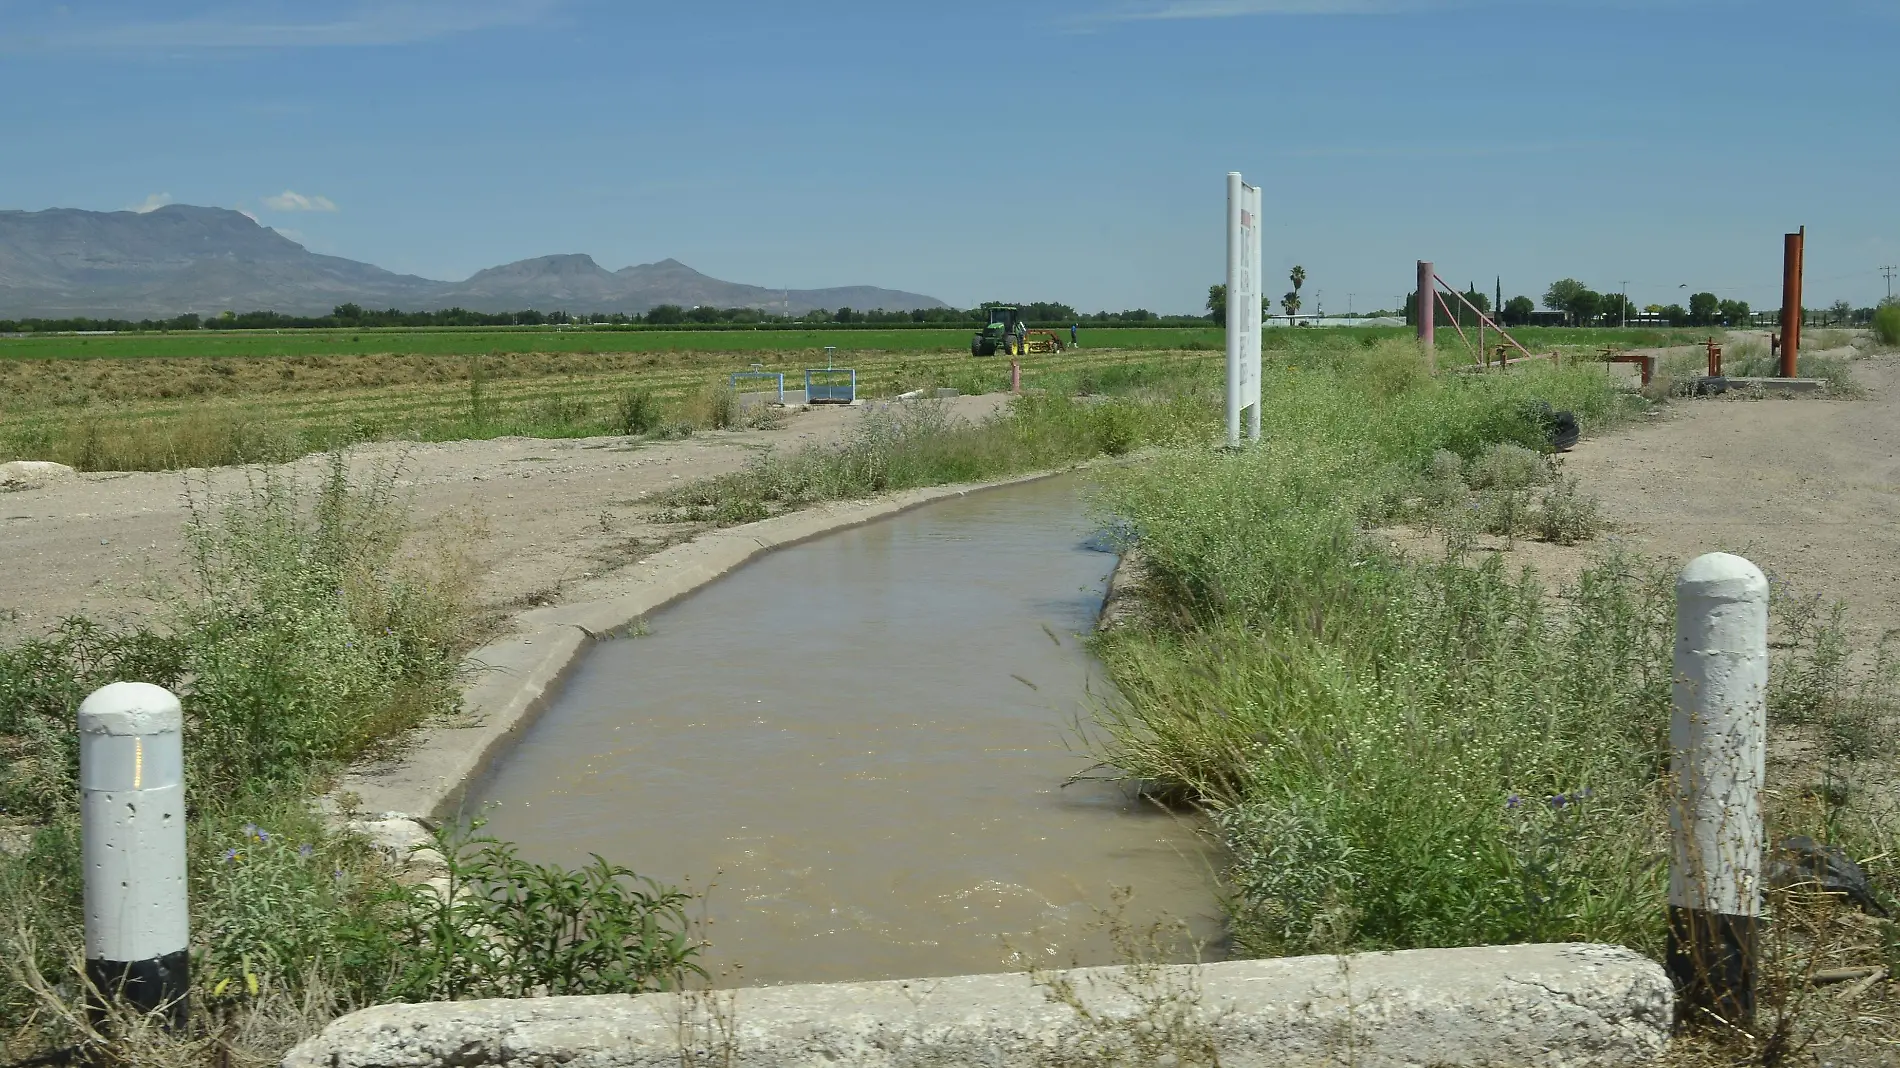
{"x":465,"y":341}
{"x":142,"y":402}
{"x":167,"y":412}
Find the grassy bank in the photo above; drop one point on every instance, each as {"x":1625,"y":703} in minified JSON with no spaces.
{"x":307,"y":637}
{"x":918,"y":444}
{"x":1440,"y":751}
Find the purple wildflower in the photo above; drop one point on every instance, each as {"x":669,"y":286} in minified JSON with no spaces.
{"x":1513,"y":801}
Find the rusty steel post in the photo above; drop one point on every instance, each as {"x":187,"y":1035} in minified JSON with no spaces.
{"x":1715,"y":358}
{"x":1427,"y":307}
{"x":1792,"y":252}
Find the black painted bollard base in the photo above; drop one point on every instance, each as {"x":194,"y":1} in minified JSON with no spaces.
{"x":1712,"y":964}
{"x":146,"y":986}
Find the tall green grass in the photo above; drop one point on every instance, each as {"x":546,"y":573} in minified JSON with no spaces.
{"x":1403,"y":752}
{"x":1399,"y":753}
{"x":918,"y":443}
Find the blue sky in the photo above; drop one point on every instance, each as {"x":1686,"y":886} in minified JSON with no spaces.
{"x":1069,"y":150}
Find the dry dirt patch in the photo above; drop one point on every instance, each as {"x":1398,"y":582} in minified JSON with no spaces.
{"x":1807,"y":488}
{"x":537,"y":514}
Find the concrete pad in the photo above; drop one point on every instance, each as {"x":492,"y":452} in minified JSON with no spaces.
{"x":1550,"y":1006}
{"x":1780,"y":385}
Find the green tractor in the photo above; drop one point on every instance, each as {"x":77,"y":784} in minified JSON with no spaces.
{"x":1008,"y":333}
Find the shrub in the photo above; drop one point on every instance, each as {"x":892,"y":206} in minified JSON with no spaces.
{"x":1567,"y":515}
{"x":1887,"y":324}
{"x":635,"y":412}
{"x":1508,"y":466}
{"x":714,"y":407}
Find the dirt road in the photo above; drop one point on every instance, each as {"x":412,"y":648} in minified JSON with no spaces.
{"x":539,"y":514}
{"x":1807,"y":488}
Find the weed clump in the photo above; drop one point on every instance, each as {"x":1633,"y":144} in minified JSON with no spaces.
{"x":1566,"y":515}
{"x":635,"y":412}
{"x":919,"y":443}
{"x":309,"y":632}
{"x":1887,"y":324}
{"x":1508,"y":466}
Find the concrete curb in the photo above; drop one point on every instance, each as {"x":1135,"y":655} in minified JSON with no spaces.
{"x":1551,"y":1006}
{"x":516,"y":676}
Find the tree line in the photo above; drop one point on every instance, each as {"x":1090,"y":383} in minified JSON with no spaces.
{"x":1579,"y":305}
{"x":352,"y":316}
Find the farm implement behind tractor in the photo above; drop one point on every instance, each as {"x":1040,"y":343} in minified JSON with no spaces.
{"x":1006,"y":332}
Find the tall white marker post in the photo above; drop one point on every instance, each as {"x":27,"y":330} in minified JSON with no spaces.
{"x":132,"y":822}
{"x":1717,"y":744}
{"x":1250,"y":359}
{"x":1243,"y":307}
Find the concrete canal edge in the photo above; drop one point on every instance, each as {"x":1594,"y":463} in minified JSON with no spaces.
{"x":1544,"y":1005}
{"x":514,"y":677}
{"x":1552,"y":1006}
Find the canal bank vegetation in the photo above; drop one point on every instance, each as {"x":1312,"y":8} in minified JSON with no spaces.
{"x":305,"y":637}
{"x":1441,"y":750}
{"x":917,"y":443}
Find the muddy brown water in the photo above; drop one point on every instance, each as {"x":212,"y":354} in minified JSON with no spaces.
{"x":861,"y":744}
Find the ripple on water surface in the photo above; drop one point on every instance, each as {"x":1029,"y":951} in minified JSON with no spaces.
{"x":862,"y":741}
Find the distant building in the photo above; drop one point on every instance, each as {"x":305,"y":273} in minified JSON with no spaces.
{"x":1331,"y":320}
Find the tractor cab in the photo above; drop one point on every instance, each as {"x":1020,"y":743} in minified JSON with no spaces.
{"x":1002,"y":332}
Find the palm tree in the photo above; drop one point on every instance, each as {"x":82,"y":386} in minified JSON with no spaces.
{"x":1291,"y":302}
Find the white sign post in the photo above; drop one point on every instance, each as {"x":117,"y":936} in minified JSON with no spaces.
{"x":1243,"y":307}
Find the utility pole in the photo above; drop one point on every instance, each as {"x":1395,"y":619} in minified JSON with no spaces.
{"x":1625,"y":307}
{"x":1888,"y":272}
{"x":1349,"y":305}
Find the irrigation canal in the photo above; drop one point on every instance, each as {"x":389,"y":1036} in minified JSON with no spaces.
{"x":861,"y":743}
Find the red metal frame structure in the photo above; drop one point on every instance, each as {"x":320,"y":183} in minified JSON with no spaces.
{"x":1430,"y":283}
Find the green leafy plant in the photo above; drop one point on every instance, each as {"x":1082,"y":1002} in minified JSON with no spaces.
{"x":1887,"y":324}
{"x":500,"y":926}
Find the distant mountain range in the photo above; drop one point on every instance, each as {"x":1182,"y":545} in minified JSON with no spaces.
{"x":105,"y":264}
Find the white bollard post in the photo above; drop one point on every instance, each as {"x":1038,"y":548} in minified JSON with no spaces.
{"x":1717,"y":744}
{"x":1235,"y":206}
{"x":132,"y":816}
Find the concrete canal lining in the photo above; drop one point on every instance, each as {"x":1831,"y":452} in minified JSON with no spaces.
{"x":514,"y":676}
{"x":1550,"y":1006}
